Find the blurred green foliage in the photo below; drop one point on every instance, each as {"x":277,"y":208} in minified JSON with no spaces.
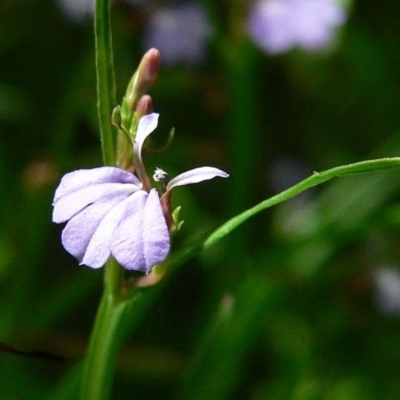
{"x":284,"y":308}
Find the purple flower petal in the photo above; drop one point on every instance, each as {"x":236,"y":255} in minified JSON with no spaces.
{"x":156,"y":238}
{"x":268,"y":27}
{"x":195,"y":176}
{"x":147,"y":124}
{"x":278,"y":25}
{"x":84,"y":177}
{"x":99,"y":247}
{"x":80,"y":229}
{"x":71,"y":204}
{"x":314,"y":22}
{"x":142,"y":238}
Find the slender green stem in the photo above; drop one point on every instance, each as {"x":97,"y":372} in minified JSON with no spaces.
{"x":240,"y":69}
{"x":99,"y":366}
{"x":186,"y":253}
{"x":105,"y":79}
{"x":113,"y":278}
{"x":314,"y":180}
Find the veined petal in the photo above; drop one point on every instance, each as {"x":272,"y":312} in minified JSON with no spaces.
{"x":156,"y":238}
{"x":79,"y":230}
{"x":99,"y":248}
{"x":73,"y":202}
{"x":126,"y":246}
{"x":85,"y":177}
{"x":142,"y":239}
{"x":195,"y":176}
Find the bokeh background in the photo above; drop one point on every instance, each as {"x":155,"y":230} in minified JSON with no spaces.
{"x":300,"y":303}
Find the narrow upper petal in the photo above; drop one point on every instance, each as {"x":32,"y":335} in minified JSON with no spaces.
{"x":85,"y":177}
{"x":142,"y":239}
{"x":147,"y":124}
{"x":195,"y":176}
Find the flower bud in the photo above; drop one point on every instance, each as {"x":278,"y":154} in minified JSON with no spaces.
{"x":144,"y":78}
{"x":144,"y":106}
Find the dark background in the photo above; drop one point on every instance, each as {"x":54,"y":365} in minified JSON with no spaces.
{"x":302,"y":302}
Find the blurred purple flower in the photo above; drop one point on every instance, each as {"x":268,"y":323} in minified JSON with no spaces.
{"x":77,"y":10}
{"x":279,"y":25}
{"x":111,"y":212}
{"x":386,"y":280}
{"x":180,"y":33}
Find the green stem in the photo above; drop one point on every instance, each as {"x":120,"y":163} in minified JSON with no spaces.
{"x":314,"y":180}
{"x":105,"y":79}
{"x":243,"y":147}
{"x":100,"y":362}
{"x":186,"y":253}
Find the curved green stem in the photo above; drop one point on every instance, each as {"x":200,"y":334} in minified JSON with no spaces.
{"x":186,"y":253}
{"x":314,"y":180}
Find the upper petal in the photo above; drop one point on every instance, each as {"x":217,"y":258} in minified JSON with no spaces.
{"x":85,"y":177}
{"x":142,"y":239}
{"x":196,"y":175}
{"x":74,"y":202}
{"x":146,"y":125}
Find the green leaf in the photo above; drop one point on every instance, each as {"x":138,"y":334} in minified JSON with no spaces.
{"x":315,"y":179}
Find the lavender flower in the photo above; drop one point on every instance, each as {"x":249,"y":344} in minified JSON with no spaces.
{"x":279,"y":25}
{"x":386,"y":280}
{"x":77,"y":10}
{"x":180,"y":33}
{"x":112,"y":212}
